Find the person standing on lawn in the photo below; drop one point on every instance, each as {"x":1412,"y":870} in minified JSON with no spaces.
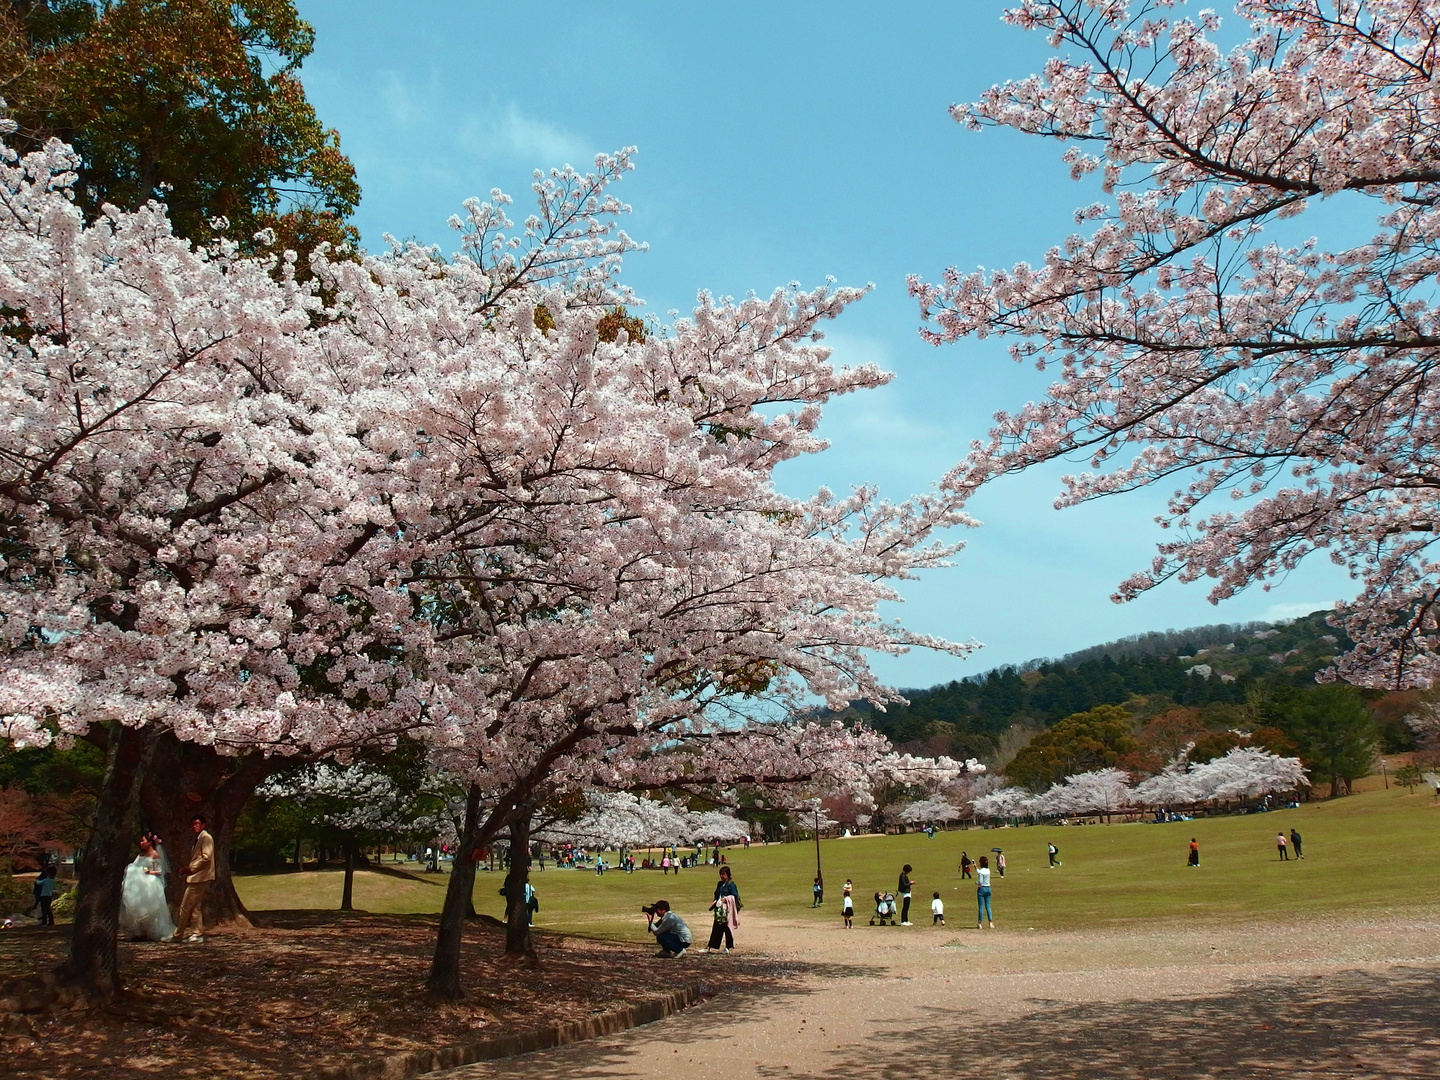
{"x":46,"y":888}
{"x":201,"y":871}
{"x":726,"y":908}
{"x":982,"y":895}
{"x":965,"y":864}
{"x":1295,"y":843}
{"x":1280,"y":843}
{"x":1194,"y":852}
{"x":903,"y":890}
{"x":1000,"y":862}
{"x":726,"y":887}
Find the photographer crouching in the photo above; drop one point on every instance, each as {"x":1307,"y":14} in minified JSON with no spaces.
{"x":669,"y":929}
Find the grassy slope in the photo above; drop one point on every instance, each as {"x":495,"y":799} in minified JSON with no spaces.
{"x":1374,"y":852}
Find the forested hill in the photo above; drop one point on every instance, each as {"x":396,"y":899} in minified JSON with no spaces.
{"x":1212,"y":666}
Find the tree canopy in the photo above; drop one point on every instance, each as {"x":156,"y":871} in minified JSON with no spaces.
{"x":196,"y":103}
{"x":1094,"y":739}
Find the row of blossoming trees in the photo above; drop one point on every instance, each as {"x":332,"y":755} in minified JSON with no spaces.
{"x":427,"y":499}
{"x":1240,"y":776}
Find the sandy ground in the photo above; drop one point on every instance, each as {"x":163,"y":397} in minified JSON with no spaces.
{"x":1325,"y":998}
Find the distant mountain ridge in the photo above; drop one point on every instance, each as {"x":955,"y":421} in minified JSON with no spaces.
{"x":1210,"y":666}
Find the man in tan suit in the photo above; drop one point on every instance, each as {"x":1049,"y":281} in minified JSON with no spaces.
{"x":201,"y":872}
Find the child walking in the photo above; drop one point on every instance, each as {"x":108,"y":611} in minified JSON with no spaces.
{"x":937,"y":911}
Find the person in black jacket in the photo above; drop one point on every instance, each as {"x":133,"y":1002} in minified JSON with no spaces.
{"x":903,"y":891}
{"x":1295,"y":843}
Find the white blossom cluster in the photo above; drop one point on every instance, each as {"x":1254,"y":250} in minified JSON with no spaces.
{"x":1246,"y":772}
{"x":620,"y":819}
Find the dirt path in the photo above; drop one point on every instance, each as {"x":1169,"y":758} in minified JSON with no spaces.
{"x":1355,"y":998}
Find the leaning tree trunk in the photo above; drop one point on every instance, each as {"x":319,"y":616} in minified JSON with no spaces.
{"x":444,"y":977}
{"x":93,"y":962}
{"x":347,"y":897}
{"x":189,"y":779}
{"x":517,"y":911}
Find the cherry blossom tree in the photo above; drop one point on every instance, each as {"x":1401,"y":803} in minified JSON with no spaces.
{"x":1286,"y":388}
{"x":1247,"y":772}
{"x":1172,"y":786}
{"x":193,"y":542}
{"x":700,"y":585}
{"x":1005,"y":803}
{"x":1244,"y":773}
{"x":718,"y":827}
{"x":258,"y":515}
{"x":929,"y":810}
{"x":1100,"y":791}
{"x":621,"y":819}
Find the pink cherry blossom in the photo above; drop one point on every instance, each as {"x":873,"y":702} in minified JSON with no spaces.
{"x":1284,"y":388}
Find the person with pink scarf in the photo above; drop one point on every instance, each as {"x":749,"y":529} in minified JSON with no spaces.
{"x":727,"y":913}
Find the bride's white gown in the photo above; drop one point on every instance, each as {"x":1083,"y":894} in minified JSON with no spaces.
{"x":143,"y":911}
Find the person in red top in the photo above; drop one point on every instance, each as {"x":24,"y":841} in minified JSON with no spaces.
{"x":1194,"y":852}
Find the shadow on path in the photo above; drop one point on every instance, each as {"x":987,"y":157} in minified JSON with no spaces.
{"x":1366,"y":1025}
{"x":1358,"y":1024}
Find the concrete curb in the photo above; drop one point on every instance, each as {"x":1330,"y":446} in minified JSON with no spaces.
{"x":416,"y":1062}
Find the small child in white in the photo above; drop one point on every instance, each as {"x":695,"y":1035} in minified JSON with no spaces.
{"x":937,"y":911}
{"x":847,"y":905}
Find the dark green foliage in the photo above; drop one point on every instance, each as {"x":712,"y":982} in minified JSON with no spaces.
{"x":965,"y":718}
{"x":1095,"y":739}
{"x":196,"y":103}
{"x":1333,"y":729}
{"x":52,"y":771}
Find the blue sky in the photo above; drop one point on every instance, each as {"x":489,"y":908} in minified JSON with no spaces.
{"x":783,"y":143}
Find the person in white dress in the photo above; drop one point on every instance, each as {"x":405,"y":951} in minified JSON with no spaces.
{"x":144,"y":913}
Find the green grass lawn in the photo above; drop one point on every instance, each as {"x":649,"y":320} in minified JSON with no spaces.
{"x":1372,"y":853}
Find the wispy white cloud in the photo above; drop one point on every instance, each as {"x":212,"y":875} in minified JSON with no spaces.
{"x":506,"y":132}
{"x":415,"y":107}
{"x":1288,"y":611}
{"x":409,"y":103}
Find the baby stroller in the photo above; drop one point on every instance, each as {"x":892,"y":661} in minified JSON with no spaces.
{"x":884,"y":909}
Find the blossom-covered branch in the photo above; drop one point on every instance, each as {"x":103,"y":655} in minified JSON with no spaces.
{"x":1296,"y":382}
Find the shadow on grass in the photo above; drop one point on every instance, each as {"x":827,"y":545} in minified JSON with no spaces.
{"x":1356,"y":1024}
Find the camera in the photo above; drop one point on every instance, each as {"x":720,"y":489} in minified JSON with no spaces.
{"x":650,"y":910}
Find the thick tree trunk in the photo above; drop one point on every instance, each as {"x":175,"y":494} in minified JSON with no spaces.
{"x":444,"y":977}
{"x":517,"y":912}
{"x":93,"y":962}
{"x":189,"y":779}
{"x":348,"y":896}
